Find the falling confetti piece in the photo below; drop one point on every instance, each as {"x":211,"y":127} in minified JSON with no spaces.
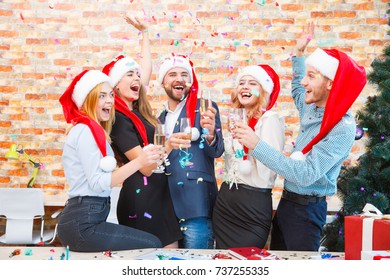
{"x":170,"y":24}
{"x":145,"y":181}
{"x":21,"y":16}
{"x":260,"y":2}
{"x":133,"y":217}
{"x":138,"y":190}
{"x":180,"y":183}
{"x":147,"y":215}
{"x":199,"y":180}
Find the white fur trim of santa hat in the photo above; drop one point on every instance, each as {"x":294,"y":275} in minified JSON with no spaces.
{"x":173,"y":62}
{"x":121,"y":67}
{"x":259,"y":74}
{"x":326,"y":64}
{"x":87,"y":82}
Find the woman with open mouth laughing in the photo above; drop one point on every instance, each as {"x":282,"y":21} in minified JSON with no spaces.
{"x":243,"y":211}
{"x":144,"y":202}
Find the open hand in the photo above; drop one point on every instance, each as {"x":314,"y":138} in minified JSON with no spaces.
{"x":305,"y":38}
{"x":136,"y":22}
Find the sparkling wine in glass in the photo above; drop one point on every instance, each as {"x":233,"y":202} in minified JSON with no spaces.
{"x":159,"y":139}
{"x":236,"y":114}
{"x":205,"y":100}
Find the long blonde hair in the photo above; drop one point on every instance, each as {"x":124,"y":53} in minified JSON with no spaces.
{"x":89,"y":108}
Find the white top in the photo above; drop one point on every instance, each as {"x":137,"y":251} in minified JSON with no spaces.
{"x":81,"y":158}
{"x":270,"y":128}
{"x":172,"y":117}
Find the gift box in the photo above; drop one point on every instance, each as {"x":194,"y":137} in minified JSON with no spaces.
{"x":365,"y":234}
{"x":376,"y":255}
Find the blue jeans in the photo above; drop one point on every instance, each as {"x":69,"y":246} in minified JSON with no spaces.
{"x":82,"y":226}
{"x":198,"y":233}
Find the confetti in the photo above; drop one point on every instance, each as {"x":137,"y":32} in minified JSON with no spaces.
{"x":255,"y":92}
{"x":133,"y":217}
{"x":138,"y":190}
{"x":170,"y":24}
{"x":28,"y":252}
{"x":145,"y":181}
{"x":147,"y":215}
{"x":199,"y":180}
{"x":21,"y":16}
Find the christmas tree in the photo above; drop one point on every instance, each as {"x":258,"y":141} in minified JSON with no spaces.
{"x":369,"y":180}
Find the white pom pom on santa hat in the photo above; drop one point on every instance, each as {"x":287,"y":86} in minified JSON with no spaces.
{"x":298,"y":155}
{"x":108,"y":163}
{"x":195,"y":134}
{"x":245,"y":167}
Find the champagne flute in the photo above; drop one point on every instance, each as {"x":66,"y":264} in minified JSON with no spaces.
{"x":185,"y":126}
{"x":205,"y":103}
{"x":236,"y":114}
{"x":205,"y":100}
{"x":159,"y":139}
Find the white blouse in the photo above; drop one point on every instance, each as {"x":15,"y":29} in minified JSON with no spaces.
{"x":270,"y":128}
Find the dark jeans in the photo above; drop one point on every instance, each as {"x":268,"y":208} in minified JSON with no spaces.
{"x":82,"y":226}
{"x":297,"y":227}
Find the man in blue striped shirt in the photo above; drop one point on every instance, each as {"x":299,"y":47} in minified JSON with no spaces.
{"x":323,"y":87}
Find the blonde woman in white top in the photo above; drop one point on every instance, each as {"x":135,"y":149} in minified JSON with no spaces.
{"x":243,"y":211}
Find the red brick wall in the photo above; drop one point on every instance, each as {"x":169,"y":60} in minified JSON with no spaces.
{"x":43,"y":44}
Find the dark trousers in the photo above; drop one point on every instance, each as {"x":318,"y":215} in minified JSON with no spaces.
{"x":298,"y":227}
{"x":82,"y":226}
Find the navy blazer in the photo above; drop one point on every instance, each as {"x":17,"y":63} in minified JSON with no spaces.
{"x":194,"y":188}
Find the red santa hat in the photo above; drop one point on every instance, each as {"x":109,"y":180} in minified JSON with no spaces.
{"x":118,"y":67}
{"x":72,"y":100}
{"x":269,"y":80}
{"x":173,"y":62}
{"x":192,"y":98}
{"x":349,"y":80}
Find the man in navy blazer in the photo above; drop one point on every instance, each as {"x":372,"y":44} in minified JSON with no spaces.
{"x":193,"y":187}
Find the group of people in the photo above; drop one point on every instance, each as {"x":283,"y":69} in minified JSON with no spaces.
{"x":111,"y":143}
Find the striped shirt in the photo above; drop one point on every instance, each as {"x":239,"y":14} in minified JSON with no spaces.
{"x":317,"y":175}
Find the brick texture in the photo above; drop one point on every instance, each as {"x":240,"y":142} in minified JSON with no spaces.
{"x":44,"y":44}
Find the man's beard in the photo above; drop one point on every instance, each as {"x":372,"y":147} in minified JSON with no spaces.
{"x":173,"y":97}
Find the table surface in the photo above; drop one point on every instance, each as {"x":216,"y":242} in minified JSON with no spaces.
{"x":59,"y":197}
{"x":48,"y":253}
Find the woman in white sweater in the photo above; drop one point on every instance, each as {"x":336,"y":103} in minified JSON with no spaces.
{"x":89,"y":165}
{"x":243,"y":212}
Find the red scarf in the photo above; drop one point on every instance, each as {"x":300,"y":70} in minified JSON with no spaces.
{"x":121,"y":106}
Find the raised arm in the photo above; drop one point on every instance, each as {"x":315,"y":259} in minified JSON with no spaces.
{"x":146,"y":57}
{"x":304,"y":39}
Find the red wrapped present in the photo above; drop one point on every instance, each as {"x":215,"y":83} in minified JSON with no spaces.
{"x":365,"y":234}
{"x":376,"y":255}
